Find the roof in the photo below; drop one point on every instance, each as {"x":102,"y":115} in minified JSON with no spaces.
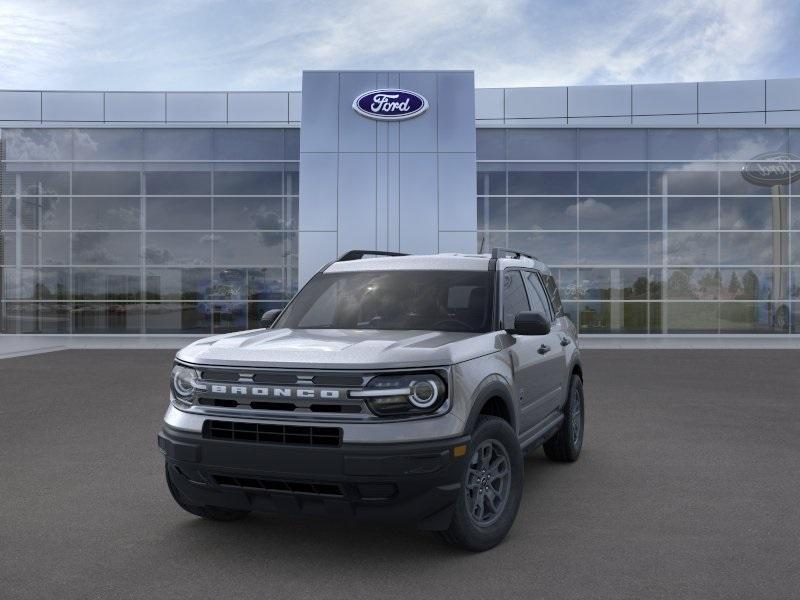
{"x":449,"y":261}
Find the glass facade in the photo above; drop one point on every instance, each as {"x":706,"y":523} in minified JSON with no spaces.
{"x":651,"y":230}
{"x":146,"y":230}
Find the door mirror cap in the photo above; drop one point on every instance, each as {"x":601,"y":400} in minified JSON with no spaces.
{"x":530,"y":323}
{"x":269,"y":317}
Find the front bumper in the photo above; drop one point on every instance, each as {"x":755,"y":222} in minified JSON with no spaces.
{"x":417,"y":481}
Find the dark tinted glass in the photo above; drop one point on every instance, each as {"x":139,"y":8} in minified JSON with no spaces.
{"x":428,"y":300}
{"x":178,"y":213}
{"x":536,"y":295}
{"x":106,"y":213}
{"x":515,"y":298}
{"x":118,"y":183}
{"x":175,"y":183}
{"x":491,"y":144}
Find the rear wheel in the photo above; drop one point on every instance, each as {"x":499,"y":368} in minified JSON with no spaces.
{"x":565,"y":445}
{"x":492,"y":488}
{"x":215,"y":513}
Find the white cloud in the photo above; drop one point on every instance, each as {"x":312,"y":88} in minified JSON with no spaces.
{"x":213,"y":44}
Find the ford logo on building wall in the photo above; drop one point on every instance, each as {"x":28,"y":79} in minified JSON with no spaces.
{"x":772,"y":168}
{"x":390,"y":105}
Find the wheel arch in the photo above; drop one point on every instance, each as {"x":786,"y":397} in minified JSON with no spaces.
{"x":494,"y":398}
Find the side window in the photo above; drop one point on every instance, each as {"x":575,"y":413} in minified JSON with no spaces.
{"x":555,"y":297}
{"x":538,"y":299}
{"x":515,"y":300}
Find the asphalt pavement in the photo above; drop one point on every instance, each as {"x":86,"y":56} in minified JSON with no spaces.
{"x":687,"y":488}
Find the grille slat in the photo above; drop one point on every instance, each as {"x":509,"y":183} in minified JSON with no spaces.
{"x":269,"y":433}
{"x":272,"y":485}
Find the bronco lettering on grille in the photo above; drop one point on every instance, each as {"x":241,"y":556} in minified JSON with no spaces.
{"x":272,"y":392}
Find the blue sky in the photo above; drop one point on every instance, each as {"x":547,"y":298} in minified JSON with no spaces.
{"x":249,"y":45}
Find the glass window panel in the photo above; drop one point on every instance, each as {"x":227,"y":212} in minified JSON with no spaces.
{"x":682,"y":144}
{"x":536,"y":295}
{"x":656,"y":325}
{"x":43,"y":183}
{"x":755,"y":283}
{"x":656,"y":213}
{"x":613,"y":248}
{"x":108,"y":144}
{"x":291,"y":179}
{"x":542,"y":144}
{"x":177,"y":318}
{"x":571,"y":311}
{"x":45,"y":212}
{"x":690,"y":317}
{"x":106,"y":284}
{"x":117,"y":183}
{"x":795,"y":316}
{"x":178,"y":248}
{"x":794,"y":286}
{"x":266,"y":284}
{"x":567,"y":282}
{"x":490,"y":144}
{"x":36,"y":317}
{"x":612,"y":213}
{"x":45,"y":248}
{"x":250,"y":183}
{"x":100,"y":317}
{"x":292,"y":212}
{"x":613,"y":317}
{"x":38,"y":144}
{"x":753,"y":317}
{"x":754,"y":213}
{"x":611,"y":183}
{"x":105,"y":248}
{"x":106,"y":213}
{"x":8,"y":248}
{"x":250,"y":248}
{"x":542,"y":213}
{"x":692,"y":213}
{"x":492,"y":213}
{"x":664,"y":181}
{"x":656,"y":249}
{"x":732,"y":182}
{"x":248,"y":213}
{"x":491,"y":179}
{"x":613,"y":284}
{"x":17,"y":283}
{"x":693,"y":284}
{"x":8,"y":213}
{"x":52,"y":284}
{"x":177,"y":284}
{"x":613,"y":144}
{"x":248,"y":144}
{"x":291,"y":144}
{"x":524,"y":180}
{"x":795,"y":212}
{"x":229,"y":316}
{"x":515,"y":298}
{"x":746,"y":144}
{"x":795,"y":245}
{"x":186,"y":183}
{"x":692,"y":248}
{"x":35,"y":284}
{"x":656,"y":283}
{"x":751,"y":248}
{"x":177,"y":144}
{"x":488,"y":240}
{"x":178,"y":213}
{"x":229,"y":284}
{"x":552,"y":248}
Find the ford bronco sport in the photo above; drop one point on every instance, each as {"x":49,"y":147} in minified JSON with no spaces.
{"x":391,"y":385}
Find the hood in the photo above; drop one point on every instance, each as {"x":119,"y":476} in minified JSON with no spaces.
{"x":338,"y":348}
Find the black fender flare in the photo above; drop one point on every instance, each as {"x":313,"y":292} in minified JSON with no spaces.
{"x":493,"y":386}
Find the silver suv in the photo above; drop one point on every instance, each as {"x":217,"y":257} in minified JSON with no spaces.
{"x":393,"y":386}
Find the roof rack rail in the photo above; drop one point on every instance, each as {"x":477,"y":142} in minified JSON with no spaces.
{"x":359,"y":254}
{"x":505,"y":252}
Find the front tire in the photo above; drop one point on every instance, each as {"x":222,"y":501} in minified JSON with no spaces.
{"x":214,"y":513}
{"x":491,"y":490}
{"x":566,"y":444}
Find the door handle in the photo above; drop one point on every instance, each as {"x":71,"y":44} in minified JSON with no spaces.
{"x":565,"y":341}
{"x":543,"y":349}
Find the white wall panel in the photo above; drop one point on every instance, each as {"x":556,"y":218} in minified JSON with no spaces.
{"x":418,"y":214}
{"x":783,"y":94}
{"x":489,"y":103}
{"x":357,"y":211}
{"x":535,"y":103}
{"x":732,"y":119}
{"x":665,"y":99}
{"x":318,"y":188}
{"x":320,"y":130}
{"x":458,"y":241}
{"x":456,"y":114}
{"x":20,"y":106}
{"x":72,"y":106}
{"x":258,"y":106}
{"x":318,"y":249}
{"x":295,"y":106}
{"x":731,"y":96}
{"x":419,"y":134}
{"x":457,"y":192}
{"x":136,"y":107}
{"x":196,"y":107}
{"x":356,"y":134}
{"x":599,"y":101}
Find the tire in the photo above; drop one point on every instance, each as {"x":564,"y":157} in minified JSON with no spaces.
{"x":565,"y":445}
{"x":478,"y":532}
{"x":214,"y":513}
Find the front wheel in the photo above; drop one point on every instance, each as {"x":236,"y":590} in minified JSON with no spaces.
{"x":565,"y":445}
{"x":491,"y":490}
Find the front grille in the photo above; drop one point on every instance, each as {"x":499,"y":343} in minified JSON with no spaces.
{"x":279,"y":485}
{"x":267,"y":433}
{"x":329,"y":407}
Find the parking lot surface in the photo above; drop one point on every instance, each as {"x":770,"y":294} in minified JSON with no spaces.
{"x":687,"y":488}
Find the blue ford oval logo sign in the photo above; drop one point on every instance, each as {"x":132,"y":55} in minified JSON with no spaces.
{"x":772,"y":168}
{"x":390,"y":105}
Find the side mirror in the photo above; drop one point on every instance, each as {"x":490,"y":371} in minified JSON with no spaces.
{"x":531,"y":323}
{"x":269,"y":317}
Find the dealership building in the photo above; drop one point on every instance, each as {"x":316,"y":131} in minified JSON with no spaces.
{"x":663,"y":209}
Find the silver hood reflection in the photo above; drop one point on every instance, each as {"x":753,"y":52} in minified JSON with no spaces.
{"x":339,"y":348}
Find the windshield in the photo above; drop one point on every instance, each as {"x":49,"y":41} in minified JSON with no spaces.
{"x":432,"y":300}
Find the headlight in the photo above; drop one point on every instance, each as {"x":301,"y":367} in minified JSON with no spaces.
{"x":408,"y":394}
{"x":183,"y":383}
